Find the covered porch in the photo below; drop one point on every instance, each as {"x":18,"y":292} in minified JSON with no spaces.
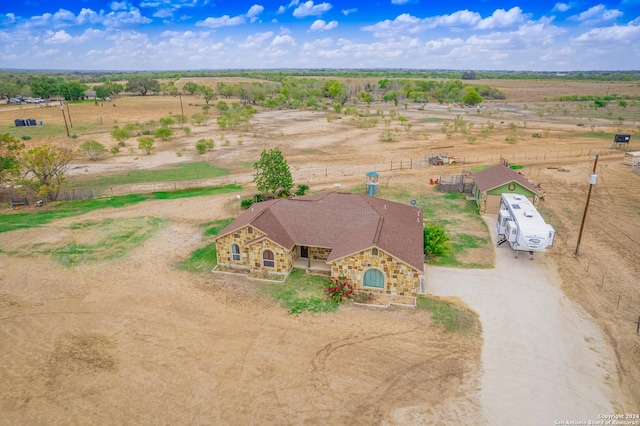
{"x":312,"y":265}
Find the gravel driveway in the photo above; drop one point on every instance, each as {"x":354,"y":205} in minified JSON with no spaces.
{"x":543,"y":359}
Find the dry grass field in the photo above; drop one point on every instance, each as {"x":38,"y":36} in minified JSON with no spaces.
{"x":135,"y":340}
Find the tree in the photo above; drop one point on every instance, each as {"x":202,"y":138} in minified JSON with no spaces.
{"x":207,"y":93}
{"x":273,"y":177}
{"x":163,"y":133}
{"x":469,"y":75}
{"x":435,"y":241}
{"x":44,"y":169}
{"x":92,"y":149}
{"x":145,"y":143}
{"x":204,"y":145}
{"x":142,"y":86}
{"x":190,"y":87}
{"x":10,"y":151}
{"x":72,"y":90}
{"x":472,"y":97}
{"x":120,"y":134}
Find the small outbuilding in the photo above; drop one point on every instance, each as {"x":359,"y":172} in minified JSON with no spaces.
{"x":631,"y":158}
{"x":491,"y":183}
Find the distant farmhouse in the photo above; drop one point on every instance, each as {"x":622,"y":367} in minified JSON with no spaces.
{"x":377,"y":244}
{"x":492,"y":182}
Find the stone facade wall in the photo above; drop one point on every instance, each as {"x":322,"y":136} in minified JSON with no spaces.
{"x":319,"y":253}
{"x":251,"y":254}
{"x":283,"y":258}
{"x":400,"y":278}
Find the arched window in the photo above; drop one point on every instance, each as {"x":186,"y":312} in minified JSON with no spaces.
{"x":374,"y":251}
{"x":373,"y":278}
{"x":249,"y":230}
{"x":268,"y":259}
{"x":235,"y":252}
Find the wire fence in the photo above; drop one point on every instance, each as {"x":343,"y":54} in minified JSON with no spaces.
{"x":335,"y":172}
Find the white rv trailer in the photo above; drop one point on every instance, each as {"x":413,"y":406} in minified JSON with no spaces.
{"x":522,"y":226}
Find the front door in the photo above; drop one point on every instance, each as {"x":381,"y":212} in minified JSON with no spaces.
{"x":304,"y":252}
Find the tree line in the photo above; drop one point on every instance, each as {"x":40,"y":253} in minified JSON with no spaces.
{"x":286,"y":93}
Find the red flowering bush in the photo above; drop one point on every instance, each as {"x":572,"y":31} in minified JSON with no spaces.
{"x":339,"y":288}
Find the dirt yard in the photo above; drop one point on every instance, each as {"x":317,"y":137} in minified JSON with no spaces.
{"x":134,"y":340}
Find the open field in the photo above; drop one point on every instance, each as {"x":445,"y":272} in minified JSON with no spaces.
{"x":135,"y":339}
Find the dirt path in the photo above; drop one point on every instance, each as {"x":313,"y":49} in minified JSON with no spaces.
{"x":543,"y":359}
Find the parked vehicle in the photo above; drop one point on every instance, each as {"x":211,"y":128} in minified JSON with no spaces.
{"x":15,"y":100}
{"x":34,"y":101}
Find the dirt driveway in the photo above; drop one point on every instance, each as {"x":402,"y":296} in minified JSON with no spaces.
{"x":543,"y":359}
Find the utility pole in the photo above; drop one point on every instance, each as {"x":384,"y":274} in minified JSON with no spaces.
{"x":592,"y":181}
{"x":65,"y":119}
{"x":69,"y":114}
{"x":182,"y":110}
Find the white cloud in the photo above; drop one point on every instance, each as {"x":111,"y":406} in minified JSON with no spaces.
{"x":88,"y":16}
{"x":561,"y":7}
{"x":628,"y":34}
{"x":503,"y":19}
{"x":256,"y":40}
{"x":133,"y":16}
{"x":281,"y":10}
{"x":119,"y":5}
{"x":255,"y":10}
{"x":596,"y":14}
{"x":228,"y":21}
{"x":461,"y":18}
{"x":8,"y":18}
{"x":347,"y":12}
{"x":308,"y":8}
{"x":223,"y":21}
{"x":283,"y":39}
{"x":58,"y":37}
{"x":320,"y":25}
{"x":163,"y":13}
{"x":399,"y":1}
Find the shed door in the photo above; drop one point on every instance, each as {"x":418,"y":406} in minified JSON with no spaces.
{"x":304,"y":252}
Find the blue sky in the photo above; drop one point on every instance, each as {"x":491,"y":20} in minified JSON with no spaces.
{"x":419,"y":34}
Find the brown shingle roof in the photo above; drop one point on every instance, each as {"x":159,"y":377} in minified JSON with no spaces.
{"x":499,"y":175}
{"x":346,"y":223}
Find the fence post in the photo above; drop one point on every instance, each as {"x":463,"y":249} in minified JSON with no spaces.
{"x":618,"y":307}
{"x":638,"y":329}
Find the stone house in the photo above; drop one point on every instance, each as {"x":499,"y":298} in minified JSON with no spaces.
{"x":492,"y":182}
{"x":377,"y":244}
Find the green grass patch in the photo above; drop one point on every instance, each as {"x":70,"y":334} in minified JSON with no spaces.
{"x":598,"y":135}
{"x":112,"y":239}
{"x":301,"y":292}
{"x":36,"y":132}
{"x":201,"y":260}
{"x":516,"y":167}
{"x":458,"y":216}
{"x":181,"y":172}
{"x":431,"y":120}
{"x":452,"y":317}
{"x":478,"y":168}
{"x":62,"y":209}
{"x":214,"y":227}
{"x":195,"y":192}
